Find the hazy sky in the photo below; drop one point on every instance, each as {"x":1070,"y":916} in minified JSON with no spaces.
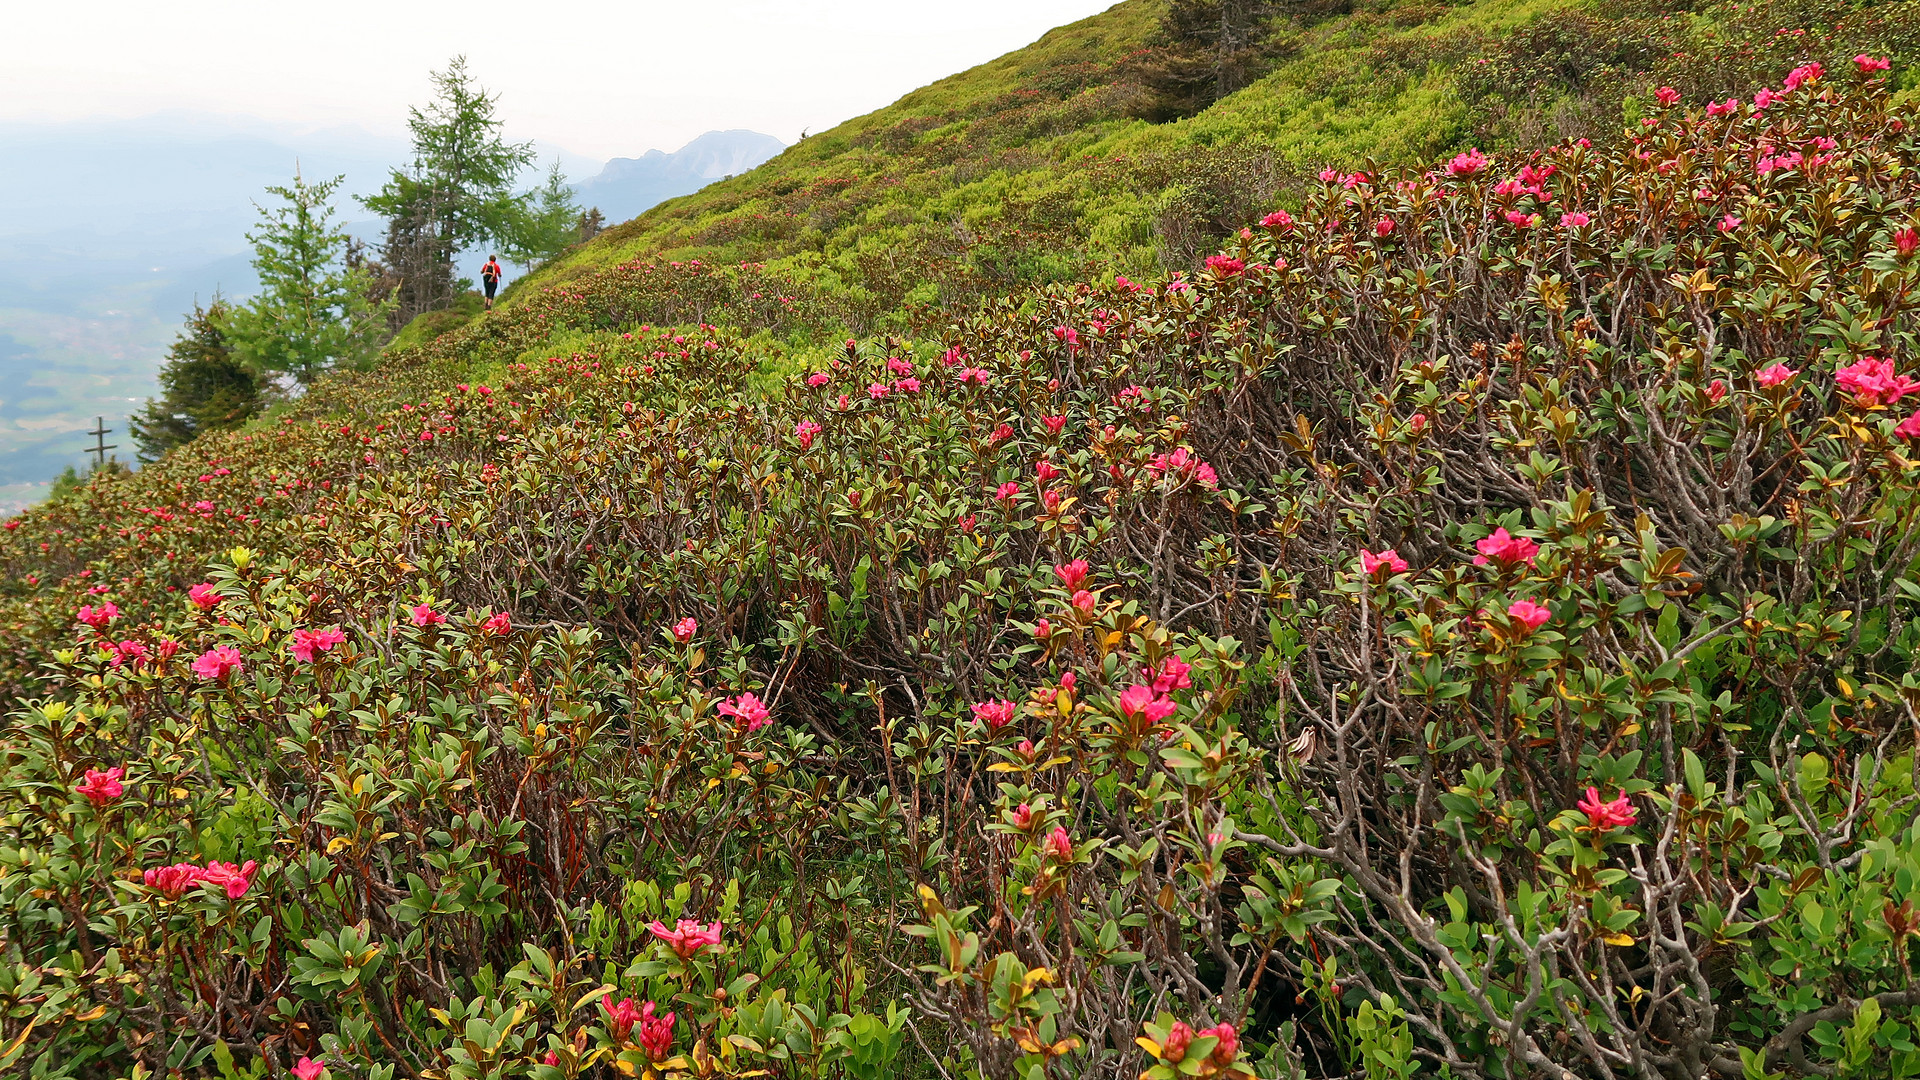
{"x":602,"y":79}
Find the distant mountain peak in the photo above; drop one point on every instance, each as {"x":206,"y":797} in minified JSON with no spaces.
{"x":627,"y":187}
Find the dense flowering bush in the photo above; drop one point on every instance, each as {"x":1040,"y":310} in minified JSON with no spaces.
{"x":1480,"y":646}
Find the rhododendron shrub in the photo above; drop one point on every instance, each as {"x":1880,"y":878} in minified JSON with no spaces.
{"x":1468,"y":647}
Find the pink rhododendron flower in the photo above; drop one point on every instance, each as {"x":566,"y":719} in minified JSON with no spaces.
{"x":1383,"y":228}
{"x":1728,"y":223}
{"x":1575,"y":220}
{"x":1228,"y":1048}
{"x":1716,"y":390}
{"x":1059,"y":844}
{"x":1172,"y":674}
{"x":308,"y":1069}
{"x":749,"y":710}
{"x":1505,"y":548}
{"x":805,"y":430}
{"x":1185,"y":465}
{"x":688,"y":936}
{"x":1764,"y":98}
{"x":1618,"y":814}
{"x":1529,"y":613}
{"x":994,"y":714}
{"x":876,"y":391}
{"x":129,"y":651}
{"x":1870,"y":64}
{"x":899,"y":366}
{"x":1909,"y":428}
{"x":1022,"y":816}
{"x":1044,"y":471}
{"x":1055,"y":424}
{"x":1775,"y":374}
{"x":98,"y":617}
{"x":818,"y":379}
{"x":1225,"y":265}
{"x":907,"y":385}
{"x":1522,"y":221}
{"x":498,"y":623}
{"x":1906,"y":241}
{"x":976,"y":376}
{"x":172,"y":881}
{"x":684,"y":630}
{"x":1803,"y":74}
{"x":1872,"y":381}
{"x":424,"y":615}
{"x":217,"y":663}
{"x":1469,"y":164}
{"x":656,"y":1033}
{"x":620,"y":1017}
{"x":236,"y":880}
{"x":101,"y":787}
{"x":1142,"y":701}
{"x":1073,"y":574}
{"x":1723,"y":108}
{"x":1666,"y":95}
{"x":1389,"y":559}
{"x":1005,"y":492}
{"x":309,"y":644}
{"x":1179,"y":1037}
{"x":1279,"y":219}
{"x":1083,"y":600}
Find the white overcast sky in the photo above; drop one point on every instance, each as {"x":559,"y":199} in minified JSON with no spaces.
{"x":601,"y":79}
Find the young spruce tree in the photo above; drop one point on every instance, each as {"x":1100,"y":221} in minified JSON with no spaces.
{"x":457,"y":192}
{"x":314,"y":312}
{"x":203,"y":387}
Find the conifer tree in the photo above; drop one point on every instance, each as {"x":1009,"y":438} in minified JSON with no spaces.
{"x":203,"y":387}
{"x":313,"y":312}
{"x":457,"y":192}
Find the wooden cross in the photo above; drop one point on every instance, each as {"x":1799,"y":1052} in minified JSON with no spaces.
{"x":100,"y":443}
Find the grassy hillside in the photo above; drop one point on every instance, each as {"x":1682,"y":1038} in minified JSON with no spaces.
{"x":1034,"y":168}
{"x":1463,"y":627}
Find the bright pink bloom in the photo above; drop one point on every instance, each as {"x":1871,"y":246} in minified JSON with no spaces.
{"x":498,"y":623}
{"x":1178,"y":1039}
{"x":1055,"y":424}
{"x":217,"y":663}
{"x":1906,"y":241}
{"x":1043,"y":629}
{"x":1575,"y":220}
{"x":309,"y":644}
{"x":1073,"y":574}
{"x":424,"y":615}
{"x":1873,"y":382}
{"x":1618,"y":814}
{"x":1469,"y":164}
{"x":1225,"y":265}
{"x":656,"y":1033}
{"x":98,"y":617}
{"x":205,"y":596}
{"x":236,"y":880}
{"x":876,"y":391}
{"x":101,"y":788}
{"x":899,"y":366}
{"x":1666,"y":95}
{"x":1183,"y":464}
{"x":684,"y":630}
{"x":805,"y":430}
{"x":994,"y":714}
{"x":1511,"y":550}
{"x":1529,"y":613}
{"x":620,"y":1017}
{"x":131,"y":651}
{"x":688,"y":936}
{"x":1022,"y":816}
{"x":907,"y":386}
{"x":1372,"y":562}
{"x":1728,"y":223}
{"x":1522,"y":221}
{"x":1909,"y":428}
{"x":1227,"y":1048}
{"x":1005,"y":492}
{"x":1417,"y":422}
{"x":1084,"y":601}
{"x":1723,"y":108}
{"x":1802,"y":74}
{"x":1716,"y":390}
{"x":749,"y":710}
{"x":1764,"y":98}
{"x":1870,"y":64}
{"x":1172,"y":674}
{"x":172,"y":881}
{"x":1044,"y":471}
{"x":308,"y":1069}
{"x":1279,"y":219}
{"x":974,"y":375}
{"x":1059,"y":844}
{"x":1383,"y":228}
{"x":1069,"y":335}
{"x":1141,"y":700}
{"x":1774,"y":375}
{"x":819,"y":378}
{"x":1002,"y":433}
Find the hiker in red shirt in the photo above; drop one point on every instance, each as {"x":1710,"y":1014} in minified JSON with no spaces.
{"x":490,"y":278}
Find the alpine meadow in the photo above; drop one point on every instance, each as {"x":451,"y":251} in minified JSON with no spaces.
{"x":1283,"y":539}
